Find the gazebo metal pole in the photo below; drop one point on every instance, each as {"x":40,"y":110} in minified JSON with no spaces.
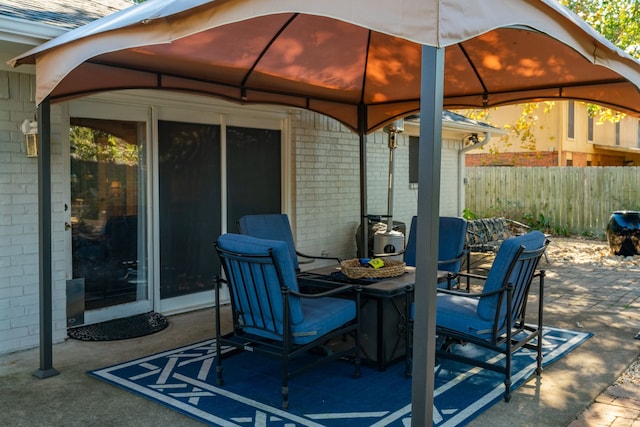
{"x":424,"y":339}
{"x":46,"y":369}
{"x":364,"y":226}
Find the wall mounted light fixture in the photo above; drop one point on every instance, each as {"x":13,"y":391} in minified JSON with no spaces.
{"x":30,"y":130}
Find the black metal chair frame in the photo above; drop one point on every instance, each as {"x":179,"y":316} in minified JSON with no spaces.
{"x":284,"y":349}
{"x":517,"y":333}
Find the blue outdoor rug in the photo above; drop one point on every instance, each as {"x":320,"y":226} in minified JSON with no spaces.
{"x":184,"y":379}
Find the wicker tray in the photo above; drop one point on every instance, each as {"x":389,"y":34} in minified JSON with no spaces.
{"x":354,"y":270}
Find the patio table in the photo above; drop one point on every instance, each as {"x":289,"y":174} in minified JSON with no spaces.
{"x":382,"y":310}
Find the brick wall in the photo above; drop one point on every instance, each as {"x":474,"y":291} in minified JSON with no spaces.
{"x":327,"y":189}
{"x":327,"y":193}
{"x":19,"y":276}
{"x":543,"y":158}
{"x":537,"y":158}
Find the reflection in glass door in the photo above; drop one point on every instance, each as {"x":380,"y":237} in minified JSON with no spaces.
{"x":108,"y":211}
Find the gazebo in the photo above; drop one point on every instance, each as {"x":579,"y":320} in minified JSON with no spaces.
{"x":365,"y":63}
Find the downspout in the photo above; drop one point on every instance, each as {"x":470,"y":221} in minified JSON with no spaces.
{"x":461,"y":163}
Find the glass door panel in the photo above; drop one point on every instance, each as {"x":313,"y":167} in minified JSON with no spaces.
{"x":253,"y":173}
{"x":189,"y":207}
{"x":108,"y":211}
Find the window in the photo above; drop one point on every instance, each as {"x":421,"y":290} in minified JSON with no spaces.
{"x":618,"y":133}
{"x":569,"y":162}
{"x":590,"y":129}
{"x":571,"y":110}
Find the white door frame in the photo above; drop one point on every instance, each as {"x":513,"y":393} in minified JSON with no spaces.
{"x":88,"y":108}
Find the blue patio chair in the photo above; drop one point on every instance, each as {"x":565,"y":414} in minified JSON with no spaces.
{"x":451,"y":249}
{"x":271,"y":316}
{"x":276,"y":227}
{"x":495,"y":318}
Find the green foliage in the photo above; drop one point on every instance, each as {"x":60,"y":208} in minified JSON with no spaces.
{"x":515,"y":211}
{"x":618,"y":21}
{"x":468,"y":215}
{"x":524,"y":127}
{"x":92,"y":145}
{"x":560,"y":231}
{"x":522,"y":130}
{"x":587,"y":233}
{"x":537,"y":223}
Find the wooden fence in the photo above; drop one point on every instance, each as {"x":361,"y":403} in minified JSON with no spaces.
{"x":565,"y":200}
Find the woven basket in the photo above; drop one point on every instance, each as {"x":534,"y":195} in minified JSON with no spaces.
{"x":354,"y":270}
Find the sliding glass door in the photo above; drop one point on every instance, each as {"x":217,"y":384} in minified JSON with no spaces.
{"x":151,"y":189}
{"x":189,"y":206}
{"x":108,"y":216}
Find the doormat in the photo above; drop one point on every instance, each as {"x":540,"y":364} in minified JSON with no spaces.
{"x":121,"y":329}
{"x":184,"y":379}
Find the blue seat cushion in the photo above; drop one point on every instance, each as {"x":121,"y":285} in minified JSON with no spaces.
{"x":321,"y":316}
{"x":499,"y":269}
{"x":271,"y":227}
{"x":310,"y":317}
{"x":460,"y":314}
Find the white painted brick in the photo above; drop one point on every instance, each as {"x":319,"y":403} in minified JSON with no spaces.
{"x":19,"y":213}
{"x":9,"y":344}
{"x":25,"y":281}
{"x":18,"y":322}
{"x":31,"y":341}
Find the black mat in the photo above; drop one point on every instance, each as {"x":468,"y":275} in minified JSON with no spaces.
{"x":121,"y":329}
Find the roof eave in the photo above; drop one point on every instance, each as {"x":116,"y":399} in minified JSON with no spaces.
{"x":25,"y":32}
{"x":617,"y":148}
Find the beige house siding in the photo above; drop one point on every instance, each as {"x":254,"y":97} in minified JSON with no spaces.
{"x":553,"y":146}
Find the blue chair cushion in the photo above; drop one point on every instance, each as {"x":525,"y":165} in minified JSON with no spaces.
{"x":321,"y":316}
{"x":254,"y":246}
{"x":460,"y":314}
{"x":487,"y":305}
{"x":451,"y":237}
{"x":310,"y":317}
{"x":271,"y":227}
{"x":410,"y":250}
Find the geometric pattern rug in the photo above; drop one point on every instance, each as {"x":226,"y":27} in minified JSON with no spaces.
{"x":184,"y":379}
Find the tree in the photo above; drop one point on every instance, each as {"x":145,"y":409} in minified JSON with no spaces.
{"x":618,"y":21}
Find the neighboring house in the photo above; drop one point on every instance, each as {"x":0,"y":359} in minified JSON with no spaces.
{"x":143,"y":182}
{"x":564,"y":136}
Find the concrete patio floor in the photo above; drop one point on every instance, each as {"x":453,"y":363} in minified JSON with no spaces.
{"x":577,"y":390}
